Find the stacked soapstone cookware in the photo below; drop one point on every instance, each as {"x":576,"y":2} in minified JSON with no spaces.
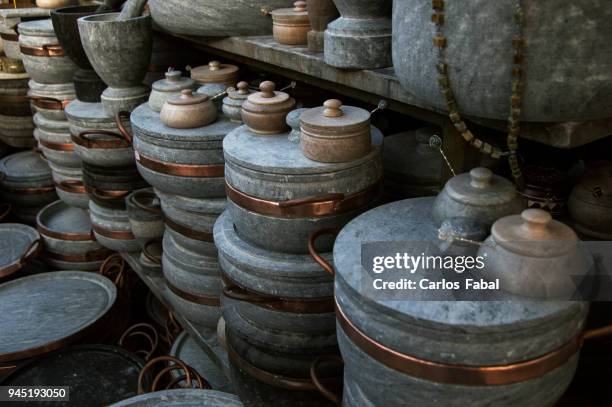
{"x":284,"y":185}
{"x":177,"y":139}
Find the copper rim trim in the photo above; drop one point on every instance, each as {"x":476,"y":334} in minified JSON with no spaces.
{"x":272,"y":379}
{"x":147,"y":253}
{"x":292,"y":305}
{"x":94,"y":255}
{"x":29,"y":191}
{"x":461,"y":374}
{"x":181,"y":170}
{"x":71,"y":236}
{"x":310,"y":207}
{"x":113,"y":234}
{"x":154,"y":208}
{"x":33,"y":250}
{"x":118,"y":142}
{"x":72,"y":186}
{"x":56,"y":146}
{"x":190,"y":233}
{"x":198,"y":299}
{"x":47,"y":50}
{"x":49,"y":103}
{"x":9,"y":37}
{"x":106,"y":195}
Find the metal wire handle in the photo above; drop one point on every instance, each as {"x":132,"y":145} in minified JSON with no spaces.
{"x":140,"y":330}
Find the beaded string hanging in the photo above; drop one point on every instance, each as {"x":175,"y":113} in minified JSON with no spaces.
{"x":518,"y":44}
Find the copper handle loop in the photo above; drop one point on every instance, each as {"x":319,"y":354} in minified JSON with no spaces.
{"x":83,"y":140}
{"x":32,"y":250}
{"x":140,"y":330}
{"x":155,"y":209}
{"x":113,"y":268}
{"x":328,"y":394}
{"x":119,"y":121}
{"x":105,"y":195}
{"x":313,"y":251}
{"x":5,"y":209}
{"x":236,"y":293}
{"x":311,"y":200}
{"x":57,"y":102}
{"x":149,"y":365}
{"x":596,"y":333}
{"x":173,"y":328}
{"x":201,"y":382}
{"x":145,"y":250}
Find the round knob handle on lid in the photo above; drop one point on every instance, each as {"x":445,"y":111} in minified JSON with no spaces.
{"x":214,"y":65}
{"x":332,"y":108}
{"x":299,"y":6}
{"x":243,"y":87}
{"x":186,"y":94}
{"x":480,"y":177}
{"x":172,"y":75}
{"x":536,"y":221}
{"x":267,"y":89}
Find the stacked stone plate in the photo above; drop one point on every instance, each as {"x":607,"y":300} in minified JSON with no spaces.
{"x":185,"y":166}
{"x":68,"y":237}
{"x":19,"y":245}
{"x":16,"y":127}
{"x":454,"y":334}
{"x":27,"y":184}
{"x":271,"y":280}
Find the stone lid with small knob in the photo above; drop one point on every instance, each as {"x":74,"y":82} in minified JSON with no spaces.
{"x":173,"y":82}
{"x":534,"y":233}
{"x":240,"y":92}
{"x":265,"y":112}
{"x":480,"y":187}
{"x":215,"y":72}
{"x":298,"y":13}
{"x":187,"y":97}
{"x":188,"y":110}
{"x":335,"y":133}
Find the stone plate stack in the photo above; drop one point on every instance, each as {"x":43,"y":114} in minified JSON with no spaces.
{"x":51,"y":89}
{"x":16,"y":127}
{"x":68,"y":237}
{"x":182,"y":398}
{"x":48,"y":311}
{"x":27,"y":184}
{"x":277,"y":303}
{"x":186,"y":166}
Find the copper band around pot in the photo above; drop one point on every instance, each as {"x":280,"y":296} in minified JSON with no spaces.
{"x":190,"y":233}
{"x":198,"y":299}
{"x":311,"y":207}
{"x":113,"y":234}
{"x":29,"y":191}
{"x":459,"y":374}
{"x":72,"y":186}
{"x":57,"y":146}
{"x":71,"y":236}
{"x":54,"y":50}
{"x":94,"y":255}
{"x":49,"y":103}
{"x":182,"y":170}
{"x":82,"y":140}
{"x":272,"y":379}
{"x":9,"y":37}
{"x":292,"y":305}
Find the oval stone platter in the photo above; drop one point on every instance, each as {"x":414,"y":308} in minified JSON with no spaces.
{"x":15,"y":241}
{"x":44,"y":312}
{"x":182,"y":398}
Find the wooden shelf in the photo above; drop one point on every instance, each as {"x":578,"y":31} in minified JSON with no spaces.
{"x":296,"y":62}
{"x":204,"y":337}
